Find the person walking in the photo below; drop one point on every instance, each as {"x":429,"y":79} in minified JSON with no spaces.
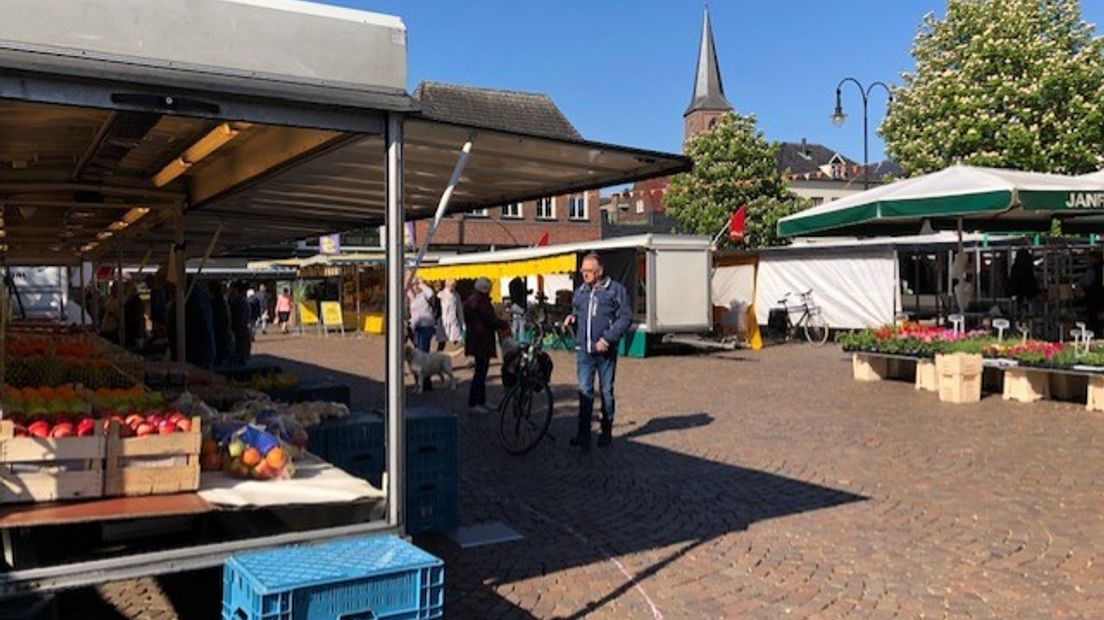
{"x":601,"y":313}
{"x":283,"y":310}
{"x":482,"y":325}
{"x":262,"y":301}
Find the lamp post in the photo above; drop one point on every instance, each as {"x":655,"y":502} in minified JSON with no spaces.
{"x":838,"y":117}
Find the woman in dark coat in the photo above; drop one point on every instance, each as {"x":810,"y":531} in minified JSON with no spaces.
{"x":482,"y":325}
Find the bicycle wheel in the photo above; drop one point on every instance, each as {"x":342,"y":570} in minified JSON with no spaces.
{"x":816,"y":329}
{"x":524,"y":417}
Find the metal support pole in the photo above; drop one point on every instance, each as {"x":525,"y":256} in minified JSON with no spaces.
{"x":95,"y":298}
{"x":120,"y":299}
{"x":396,"y":428}
{"x":83,"y":294}
{"x":179,"y":296}
{"x":442,"y":205}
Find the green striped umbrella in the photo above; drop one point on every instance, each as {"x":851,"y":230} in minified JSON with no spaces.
{"x":983,"y":199}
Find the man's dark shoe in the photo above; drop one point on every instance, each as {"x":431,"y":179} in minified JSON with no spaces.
{"x":581,"y":441}
{"x":607,"y":435}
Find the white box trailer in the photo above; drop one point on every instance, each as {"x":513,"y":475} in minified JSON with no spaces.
{"x":668,"y":277}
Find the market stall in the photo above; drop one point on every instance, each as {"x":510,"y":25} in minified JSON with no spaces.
{"x":139,"y":146}
{"x":667,"y":277}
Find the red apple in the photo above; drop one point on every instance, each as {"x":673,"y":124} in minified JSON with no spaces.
{"x":145,"y":428}
{"x":184,"y":425}
{"x":86,"y":427}
{"x":39,"y":428}
{"x":176,"y":416}
{"x":155,"y":419}
{"x":166,"y":427}
{"x":62,"y":429}
{"x":134,"y":420}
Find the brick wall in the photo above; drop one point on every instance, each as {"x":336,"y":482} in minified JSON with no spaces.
{"x":500,"y":231}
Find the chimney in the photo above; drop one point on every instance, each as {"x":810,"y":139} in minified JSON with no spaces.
{"x":804,"y":147}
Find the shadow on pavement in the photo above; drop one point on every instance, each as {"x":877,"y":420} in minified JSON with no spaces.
{"x":634,"y":500}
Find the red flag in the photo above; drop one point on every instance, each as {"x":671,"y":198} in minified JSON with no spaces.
{"x":543,"y":240}
{"x":736,"y":224}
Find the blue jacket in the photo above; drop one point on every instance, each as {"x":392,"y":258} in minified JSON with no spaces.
{"x":602,"y":312}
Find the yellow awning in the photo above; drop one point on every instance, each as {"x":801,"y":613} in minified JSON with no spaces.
{"x":496,"y":271}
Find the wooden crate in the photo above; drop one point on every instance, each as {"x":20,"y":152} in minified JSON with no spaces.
{"x":1026,"y":386}
{"x":33,"y":469}
{"x":926,"y":377}
{"x":959,"y":377}
{"x":152,"y":465}
{"x":1094,"y":398}
{"x":960,"y":388}
{"x":869,"y":367}
{"x":958,"y":364}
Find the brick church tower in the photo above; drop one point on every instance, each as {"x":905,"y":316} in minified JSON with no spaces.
{"x":708,"y":101}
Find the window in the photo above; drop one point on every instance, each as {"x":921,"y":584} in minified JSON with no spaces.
{"x":818,"y":200}
{"x":577,"y":207}
{"x":478,"y":213}
{"x":513,"y":211}
{"x":639,"y":205}
{"x":546,"y":209}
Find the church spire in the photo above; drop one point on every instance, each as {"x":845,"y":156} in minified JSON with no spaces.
{"x":708,"y":90}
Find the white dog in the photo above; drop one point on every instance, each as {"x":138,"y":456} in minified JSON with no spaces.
{"x":425,"y":365}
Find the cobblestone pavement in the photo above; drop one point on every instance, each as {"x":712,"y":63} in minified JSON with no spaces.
{"x":770,"y":485}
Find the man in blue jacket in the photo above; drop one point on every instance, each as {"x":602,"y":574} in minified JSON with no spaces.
{"x":601,"y":313}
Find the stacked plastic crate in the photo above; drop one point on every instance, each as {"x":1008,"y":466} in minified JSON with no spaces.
{"x":380,"y":577}
{"x":356,"y":444}
{"x":432,"y":494}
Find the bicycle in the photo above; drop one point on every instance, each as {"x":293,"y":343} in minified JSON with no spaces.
{"x":811,"y":322}
{"x":525,"y":413}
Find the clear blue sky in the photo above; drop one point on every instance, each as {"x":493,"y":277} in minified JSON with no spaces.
{"x":622,"y":71}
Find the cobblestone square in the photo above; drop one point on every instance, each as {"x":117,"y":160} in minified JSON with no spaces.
{"x":767,"y":485}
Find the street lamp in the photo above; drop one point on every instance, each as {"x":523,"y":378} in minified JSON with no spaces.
{"x":838,"y":117}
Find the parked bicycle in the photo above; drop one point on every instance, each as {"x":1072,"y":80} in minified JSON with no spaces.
{"x":811,"y":322}
{"x":525,"y":413}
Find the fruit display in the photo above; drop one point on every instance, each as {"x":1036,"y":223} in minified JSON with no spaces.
{"x":247,"y":452}
{"x":68,"y":410}
{"x":55,"y":360}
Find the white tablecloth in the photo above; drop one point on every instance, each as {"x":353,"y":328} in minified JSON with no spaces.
{"x":315,"y":482}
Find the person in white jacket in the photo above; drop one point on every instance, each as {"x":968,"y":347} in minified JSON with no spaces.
{"x":452,"y":315}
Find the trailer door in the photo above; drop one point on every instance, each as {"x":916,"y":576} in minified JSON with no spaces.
{"x":679,"y":285}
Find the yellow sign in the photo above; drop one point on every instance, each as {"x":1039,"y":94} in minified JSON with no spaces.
{"x":308,"y":313}
{"x":331,"y":314}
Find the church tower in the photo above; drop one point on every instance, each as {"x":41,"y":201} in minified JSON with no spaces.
{"x":708,"y":101}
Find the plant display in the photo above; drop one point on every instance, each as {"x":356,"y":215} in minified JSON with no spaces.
{"x":926,"y":342}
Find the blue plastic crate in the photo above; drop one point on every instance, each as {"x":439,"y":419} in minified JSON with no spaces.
{"x":382,"y":577}
{"x":355,"y":444}
{"x":431,"y":508}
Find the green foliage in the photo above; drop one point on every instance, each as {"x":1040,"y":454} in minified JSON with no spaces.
{"x":1003,"y":83}
{"x":733,"y":165}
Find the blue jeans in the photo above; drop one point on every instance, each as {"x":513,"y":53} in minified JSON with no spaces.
{"x":605,"y":364}
{"x":423,"y":336}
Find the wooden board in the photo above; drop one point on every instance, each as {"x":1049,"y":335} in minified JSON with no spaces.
{"x":33,"y":469}
{"x":104,"y":509}
{"x":152,"y":465}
